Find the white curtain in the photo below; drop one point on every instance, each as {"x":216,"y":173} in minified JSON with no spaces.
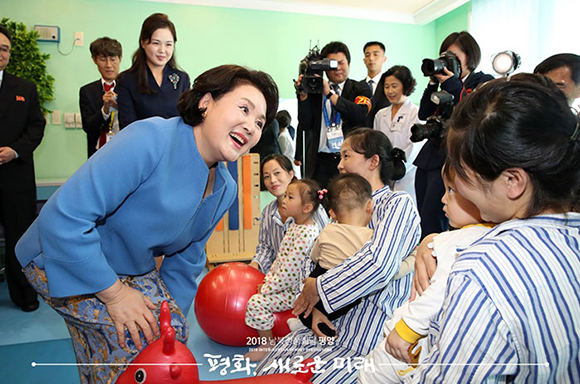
{"x":535,"y":29}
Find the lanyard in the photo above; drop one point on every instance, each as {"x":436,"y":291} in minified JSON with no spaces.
{"x":336,"y":120}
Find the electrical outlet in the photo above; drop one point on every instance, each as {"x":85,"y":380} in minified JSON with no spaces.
{"x":56,"y":118}
{"x":79,"y":39}
{"x":78,"y":120}
{"x":69,"y":120}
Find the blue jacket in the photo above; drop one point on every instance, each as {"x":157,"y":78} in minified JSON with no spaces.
{"x":138,"y":197}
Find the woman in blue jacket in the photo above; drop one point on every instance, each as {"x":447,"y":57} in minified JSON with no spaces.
{"x":158,"y":188}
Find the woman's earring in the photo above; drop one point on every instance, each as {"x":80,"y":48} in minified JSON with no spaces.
{"x":204,"y":114}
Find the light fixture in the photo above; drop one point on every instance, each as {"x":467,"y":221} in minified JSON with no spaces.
{"x":506,"y":62}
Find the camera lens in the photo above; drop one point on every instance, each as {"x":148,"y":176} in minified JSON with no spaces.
{"x":428,"y":67}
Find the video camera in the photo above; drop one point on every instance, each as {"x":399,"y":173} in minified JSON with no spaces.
{"x":447,"y":60}
{"x":434,"y":128}
{"x":312,"y":67}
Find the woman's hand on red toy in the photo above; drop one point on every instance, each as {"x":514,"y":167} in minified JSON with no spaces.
{"x":130,"y":309}
{"x":307,"y":299}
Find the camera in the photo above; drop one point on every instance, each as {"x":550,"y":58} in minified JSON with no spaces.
{"x":447,"y":60}
{"x":312,"y":67}
{"x":434,"y":128}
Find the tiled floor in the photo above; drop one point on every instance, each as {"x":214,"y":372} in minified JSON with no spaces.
{"x":42,"y":337}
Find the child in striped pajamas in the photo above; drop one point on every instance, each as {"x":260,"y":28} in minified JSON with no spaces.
{"x":282,"y":283}
{"x":512,"y":308}
{"x":407,"y":329}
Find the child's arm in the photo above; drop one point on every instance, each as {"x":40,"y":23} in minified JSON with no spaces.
{"x":316,"y":249}
{"x":407,"y":265}
{"x":398,"y":346}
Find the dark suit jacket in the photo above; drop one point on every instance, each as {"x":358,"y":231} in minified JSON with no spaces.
{"x":379,"y":102}
{"x":135,"y":106}
{"x":21,"y":128}
{"x":310,"y":117}
{"x":91,"y":102}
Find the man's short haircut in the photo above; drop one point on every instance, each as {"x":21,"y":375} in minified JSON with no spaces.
{"x":371,"y":43}
{"x":6,"y":32}
{"x":106,"y":46}
{"x":569,"y":60}
{"x":284,"y":118}
{"x":335,"y":47}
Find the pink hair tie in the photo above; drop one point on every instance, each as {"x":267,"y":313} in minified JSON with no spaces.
{"x":321,"y":193}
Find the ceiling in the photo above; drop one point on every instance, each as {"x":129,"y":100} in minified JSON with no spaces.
{"x":398,"y":11}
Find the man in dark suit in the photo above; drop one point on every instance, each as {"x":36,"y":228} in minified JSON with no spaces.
{"x":21,"y":130}
{"x":98,"y":100}
{"x":325,"y":119}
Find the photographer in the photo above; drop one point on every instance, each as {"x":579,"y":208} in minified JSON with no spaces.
{"x":342,"y":106}
{"x":428,"y":183}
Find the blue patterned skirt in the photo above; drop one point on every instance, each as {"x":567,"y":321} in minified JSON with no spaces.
{"x":94,"y":337}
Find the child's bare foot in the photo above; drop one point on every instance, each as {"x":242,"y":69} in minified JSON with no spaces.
{"x":258,"y":353}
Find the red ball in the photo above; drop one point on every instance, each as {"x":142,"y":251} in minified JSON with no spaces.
{"x":220,"y":305}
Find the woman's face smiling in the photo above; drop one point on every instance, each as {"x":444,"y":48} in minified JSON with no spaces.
{"x":353,"y":162}
{"x":233,"y":124}
{"x":394,"y":90}
{"x":159,"y":49}
{"x":276,"y":178}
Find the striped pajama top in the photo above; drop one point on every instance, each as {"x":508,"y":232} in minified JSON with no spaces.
{"x":272,"y":231}
{"x":365,"y":275}
{"x":512,"y":307}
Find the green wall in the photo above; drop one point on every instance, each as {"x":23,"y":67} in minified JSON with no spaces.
{"x":207,"y":36}
{"x":455,"y":21}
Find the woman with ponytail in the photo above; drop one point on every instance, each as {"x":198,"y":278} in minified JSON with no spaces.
{"x":367,"y":275}
{"x":512,"y":311}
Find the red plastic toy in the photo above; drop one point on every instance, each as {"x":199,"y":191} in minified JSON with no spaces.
{"x":220,"y":305}
{"x":166,"y":361}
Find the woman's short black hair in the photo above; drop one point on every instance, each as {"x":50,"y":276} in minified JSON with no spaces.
{"x":370,"y":142}
{"x":467,"y":44}
{"x":221,"y":80}
{"x":519,"y":124}
{"x":282,"y":160}
{"x":404,"y":75}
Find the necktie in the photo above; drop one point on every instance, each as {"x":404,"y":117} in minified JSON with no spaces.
{"x":103,"y":137}
{"x":370,"y":83}
{"x":335,"y":89}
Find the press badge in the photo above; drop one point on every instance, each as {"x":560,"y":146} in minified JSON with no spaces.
{"x":335,"y":138}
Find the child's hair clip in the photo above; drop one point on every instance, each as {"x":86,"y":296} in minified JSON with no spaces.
{"x":321,"y":193}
